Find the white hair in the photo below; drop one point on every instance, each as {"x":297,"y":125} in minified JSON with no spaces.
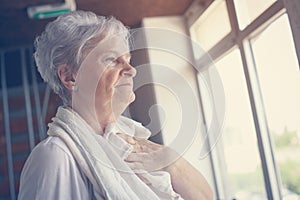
{"x":66,"y":40}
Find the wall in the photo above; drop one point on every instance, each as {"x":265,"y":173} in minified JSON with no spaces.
{"x":174,"y":96}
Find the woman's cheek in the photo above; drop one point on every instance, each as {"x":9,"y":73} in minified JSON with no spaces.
{"x":104,"y":93}
{"x":107,"y":83}
{"x":112,"y":76}
{"x":124,"y":95}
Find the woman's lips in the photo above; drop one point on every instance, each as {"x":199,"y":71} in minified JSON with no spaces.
{"x":123,"y":84}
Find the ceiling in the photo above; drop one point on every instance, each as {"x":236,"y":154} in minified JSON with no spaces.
{"x":17,"y":29}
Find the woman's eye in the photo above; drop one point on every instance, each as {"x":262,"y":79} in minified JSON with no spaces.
{"x":110,"y":61}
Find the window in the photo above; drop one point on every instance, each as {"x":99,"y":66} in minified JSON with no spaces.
{"x":213,"y":25}
{"x":279,"y":78}
{"x":240,"y":150}
{"x":257,"y":156}
{"x":248,"y":10}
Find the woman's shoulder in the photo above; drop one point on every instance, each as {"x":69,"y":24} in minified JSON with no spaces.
{"x":53,"y":172}
{"x":53,"y":144}
{"x":51,"y":147}
{"x":51,"y":152}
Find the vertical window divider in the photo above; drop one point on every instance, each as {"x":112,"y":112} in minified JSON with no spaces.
{"x":10,"y":166}
{"x":232,"y":17}
{"x":46,"y":102}
{"x":27,"y":99}
{"x":217,"y":159}
{"x":36,"y":93}
{"x":272,"y":182}
{"x":219,"y":188}
{"x":293,"y":11}
{"x":204,"y":120}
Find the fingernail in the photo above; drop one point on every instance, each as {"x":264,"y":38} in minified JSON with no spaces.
{"x":131,"y":140}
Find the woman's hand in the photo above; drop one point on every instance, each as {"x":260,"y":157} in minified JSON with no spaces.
{"x":186,"y":180}
{"x":150,"y":156}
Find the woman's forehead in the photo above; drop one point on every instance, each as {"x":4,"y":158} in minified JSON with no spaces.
{"x":113,"y":45}
{"x":118,"y":53}
{"x":113,"y":39}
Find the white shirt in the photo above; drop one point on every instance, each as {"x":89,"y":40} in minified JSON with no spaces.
{"x":51,"y":172}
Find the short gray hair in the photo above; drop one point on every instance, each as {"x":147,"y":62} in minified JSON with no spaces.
{"x":66,"y":40}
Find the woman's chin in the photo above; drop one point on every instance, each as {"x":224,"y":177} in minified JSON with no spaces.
{"x":131,"y":98}
{"x":119,"y":105}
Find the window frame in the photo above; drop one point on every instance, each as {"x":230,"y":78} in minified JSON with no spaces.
{"x":241,"y":39}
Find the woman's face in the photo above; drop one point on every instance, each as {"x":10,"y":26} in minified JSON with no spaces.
{"x":115,"y":87}
{"x":105,"y":81}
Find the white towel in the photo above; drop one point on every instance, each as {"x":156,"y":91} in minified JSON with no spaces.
{"x":158,"y":181}
{"x":103,"y":164}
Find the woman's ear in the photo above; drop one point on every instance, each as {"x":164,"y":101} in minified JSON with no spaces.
{"x":64,"y":76}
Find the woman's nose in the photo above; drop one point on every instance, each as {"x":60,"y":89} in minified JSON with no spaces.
{"x":128,"y":69}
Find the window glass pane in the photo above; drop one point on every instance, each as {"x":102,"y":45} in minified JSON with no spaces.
{"x":248,"y":10}
{"x":239,"y":155}
{"x":212,"y":25}
{"x":279,"y":77}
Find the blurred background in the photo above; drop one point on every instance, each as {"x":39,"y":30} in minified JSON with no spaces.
{"x":255,"y":47}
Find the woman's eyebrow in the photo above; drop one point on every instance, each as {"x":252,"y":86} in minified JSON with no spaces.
{"x":117,"y":54}
{"x":126,"y":55}
{"x":110,"y":52}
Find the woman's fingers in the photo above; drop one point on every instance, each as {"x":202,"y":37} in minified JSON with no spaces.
{"x":136,"y":166}
{"x":150,"y":156}
{"x":127,"y":138}
{"x":146,"y":146}
{"x":136,"y":157}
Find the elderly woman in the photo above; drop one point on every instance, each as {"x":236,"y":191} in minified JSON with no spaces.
{"x":92,"y":152}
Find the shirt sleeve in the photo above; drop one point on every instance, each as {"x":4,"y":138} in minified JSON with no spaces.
{"x":51,"y":172}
